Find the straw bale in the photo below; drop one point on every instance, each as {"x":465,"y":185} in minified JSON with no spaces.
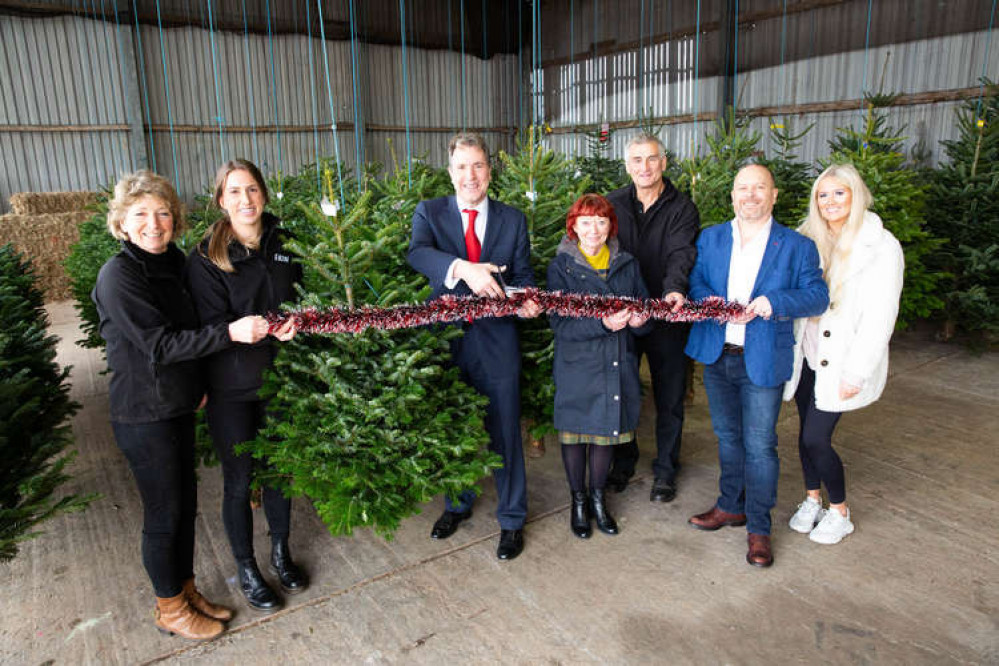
{"x":39,"y":203}
{"x":46,"y":240}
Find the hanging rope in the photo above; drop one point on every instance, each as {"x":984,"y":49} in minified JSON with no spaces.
{"x":985,"y":62}
{"x":274,"y":103}
{"x":315,"y":107}
{"x":639,"y":97}
{"x":359,"y":158}
{"x":783,"y":46}
{"x":329,"y":94}
{"x":405,"y":90}
{"x":697,"y":71}
{"x":145,"y":85}
{"x":464,"y":95}
{"x":249,"y":80}
{"x":218,"y":83}
{"x":166,"y":87}
{"x":735,"y":62}
{"x":520,"y":64}
{"x":867,"y":48}
{"x":121,"y":72}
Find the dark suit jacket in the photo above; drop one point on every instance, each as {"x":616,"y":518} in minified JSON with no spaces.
{"x":791,"y":280}
{"x":438,"y":240}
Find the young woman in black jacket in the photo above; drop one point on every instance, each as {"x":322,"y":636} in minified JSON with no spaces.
{"x":597,"y":391}
{"x":242,"y":266}
{"x":153,"y":346}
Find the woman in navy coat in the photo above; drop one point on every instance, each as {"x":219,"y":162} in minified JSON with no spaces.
{"x":597,"y":391}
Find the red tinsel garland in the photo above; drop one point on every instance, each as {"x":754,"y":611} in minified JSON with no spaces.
{"x":458,"y":308}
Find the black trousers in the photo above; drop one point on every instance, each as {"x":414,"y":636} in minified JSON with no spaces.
{"x":161,"y":456}
{"x":819,"y":461}
{"x":663,"y":347}
{"x":232,"y":423}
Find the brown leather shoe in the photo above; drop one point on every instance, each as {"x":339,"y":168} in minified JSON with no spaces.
{"x":202,"y":605}
{"x":759,"y":554}
{"x":175,"y":616}
{"x":716,"y":518}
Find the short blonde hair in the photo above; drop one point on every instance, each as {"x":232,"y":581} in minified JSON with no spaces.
{"x":133,"y":187}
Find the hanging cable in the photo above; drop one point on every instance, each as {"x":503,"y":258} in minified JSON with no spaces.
{"x":218,"y":84}
{"x":985,"y":62}
{"x":867,"y":48}
{"x":121,"y":72}
{"x":329,"y":94}
{"x":249,"y":80}
{"x":697,"y":69}
{"x":783,"y":45}
{"x":464,"y":96}
{"x":277,"y":124}
{"x":573,"y":101}
{"x":312,"y":96}
{"x":639,"y":100}
{"x":520,"y":64}
{"x":359,"y":159}
{"x":166,"y":87}
{"x":485,"y":58}
{"x":405,"y":89}
{"x":735,"y":62}
{"x":145,"y":84}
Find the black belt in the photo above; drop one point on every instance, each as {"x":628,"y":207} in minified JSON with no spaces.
{"x":735,"y":350}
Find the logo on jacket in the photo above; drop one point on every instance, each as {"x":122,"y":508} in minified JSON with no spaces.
{"x":283,"y":258}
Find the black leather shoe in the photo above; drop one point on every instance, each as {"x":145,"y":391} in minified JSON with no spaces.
{"x":256,"y":590}
{"x":448,"y":523}
{"x":293,"y":580}
{"x":617,"y":482}
{"x":511,"y":544}
{"x":605,"y":522}
{"x":662,"y":491}
{"x":579,"y":516}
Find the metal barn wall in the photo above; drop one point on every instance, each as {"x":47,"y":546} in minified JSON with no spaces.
{"x":67,"y":122}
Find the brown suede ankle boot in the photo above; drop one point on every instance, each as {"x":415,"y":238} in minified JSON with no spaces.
{"x":175,"y":616}
{"x":202,"y":605}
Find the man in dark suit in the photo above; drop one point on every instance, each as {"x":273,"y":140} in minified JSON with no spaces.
{"x":460,"y":243}
{"x":774,"y":272}
{"x":658,"y":224}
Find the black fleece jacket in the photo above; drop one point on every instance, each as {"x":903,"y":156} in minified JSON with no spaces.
{"x":262,"y":281}
{"x":663,"y":238}
{"x":153,"y":335}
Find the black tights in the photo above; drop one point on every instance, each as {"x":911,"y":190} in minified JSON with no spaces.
{"x":161,"y":456}
{"x":819,"y":460}
{"x":574,"y":459}
{"x":233,"y":423}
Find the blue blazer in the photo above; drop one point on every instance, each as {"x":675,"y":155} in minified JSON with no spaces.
{"x":791,"y":280}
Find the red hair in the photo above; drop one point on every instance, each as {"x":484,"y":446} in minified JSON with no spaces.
{"x":590,"y":204}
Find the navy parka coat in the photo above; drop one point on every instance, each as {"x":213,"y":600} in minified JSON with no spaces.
{"x":597,"y":389}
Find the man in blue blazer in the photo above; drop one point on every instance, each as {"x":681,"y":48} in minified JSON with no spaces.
{"x":460,"y":243}
{"x":775,"y":272}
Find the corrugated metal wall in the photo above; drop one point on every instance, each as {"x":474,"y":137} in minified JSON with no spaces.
{"x":70,"y":72}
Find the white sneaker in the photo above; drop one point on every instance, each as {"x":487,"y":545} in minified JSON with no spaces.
{"x":808,"y":514}
{"x":832,"y":528}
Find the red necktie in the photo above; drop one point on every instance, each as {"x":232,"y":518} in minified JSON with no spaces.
{"x":472,"y":245}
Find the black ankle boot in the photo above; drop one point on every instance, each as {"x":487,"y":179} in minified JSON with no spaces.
{"x":293,"y":580}
{"x":579,"y":516}
{"x":605,"y":522}
{"x":256,"y":590}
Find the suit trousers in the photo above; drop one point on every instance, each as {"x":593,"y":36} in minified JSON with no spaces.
{"x":663,"y":347}
{"x":488,"y":356}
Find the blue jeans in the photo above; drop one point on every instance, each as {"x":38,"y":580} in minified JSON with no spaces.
{"x":744,"y":418}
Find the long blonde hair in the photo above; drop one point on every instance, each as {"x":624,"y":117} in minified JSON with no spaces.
{"x":220,"y":234}
{"x":835,"y":252}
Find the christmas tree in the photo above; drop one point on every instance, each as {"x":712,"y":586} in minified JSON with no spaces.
{"x":369,"y":426}
{"x":900,"y":201}
{"x":707,"y":179}
{"x":966,"y":188}
{"x":605,"y":171}
{"x":793,"y":177}
{"x":543,"y":185}
{"x":34,"y":411}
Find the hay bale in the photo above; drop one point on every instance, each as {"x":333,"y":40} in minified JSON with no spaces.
{"x":45,"y":239}
{"x":42,"y":203}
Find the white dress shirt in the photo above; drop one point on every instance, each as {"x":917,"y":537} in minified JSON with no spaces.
{"x":744,"y":266}
{"x":480,"y":232}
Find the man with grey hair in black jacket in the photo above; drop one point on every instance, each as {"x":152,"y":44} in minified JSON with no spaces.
{"x":659,"y":226}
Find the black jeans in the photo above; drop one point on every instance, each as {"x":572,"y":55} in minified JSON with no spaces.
{"x":161,"y":456}
{"x":668,"y":368}
{"x":232,"y":423}
{"x":819,"y":461}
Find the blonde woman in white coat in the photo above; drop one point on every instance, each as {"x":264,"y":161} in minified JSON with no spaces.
{"x":841,"y":357}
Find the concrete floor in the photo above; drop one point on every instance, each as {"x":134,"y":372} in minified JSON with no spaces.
{"x":917,"y":583}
